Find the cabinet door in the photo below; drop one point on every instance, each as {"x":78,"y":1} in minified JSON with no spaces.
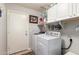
{"x":70,"y":9}
{"x":77,"y":4}
{"x":62,"y":11}
{"x":52,"y":12}
{"x":74,"y":9}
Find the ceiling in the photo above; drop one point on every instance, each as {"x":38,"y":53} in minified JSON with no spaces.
{"x":36,"y":6}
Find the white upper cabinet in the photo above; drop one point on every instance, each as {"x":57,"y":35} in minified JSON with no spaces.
{"x":52,"y":14}
{"x":62,"y":11}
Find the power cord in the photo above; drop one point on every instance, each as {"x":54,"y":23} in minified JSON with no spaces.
{"x":68,"y":46}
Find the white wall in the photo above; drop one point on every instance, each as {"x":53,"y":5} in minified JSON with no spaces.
{"x":3,"y":30}
{"x":32,"y":27}
{"x":70,"y":30}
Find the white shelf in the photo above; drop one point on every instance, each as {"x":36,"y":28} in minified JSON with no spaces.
{"x":63,"y":19}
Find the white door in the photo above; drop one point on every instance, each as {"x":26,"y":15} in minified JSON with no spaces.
{"x":17,"y":31}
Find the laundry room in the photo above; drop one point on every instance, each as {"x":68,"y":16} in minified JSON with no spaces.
{"x":39,"y":28}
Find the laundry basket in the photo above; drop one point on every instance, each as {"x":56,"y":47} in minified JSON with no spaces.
{"x":24,"y":52}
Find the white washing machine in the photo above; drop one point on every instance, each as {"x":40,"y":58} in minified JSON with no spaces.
{"x":47,"y":44}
